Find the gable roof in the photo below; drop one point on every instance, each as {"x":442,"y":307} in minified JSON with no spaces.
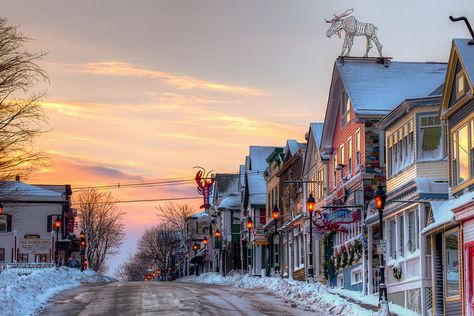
{"x":375,"y":89}
{"x":255,"y":168}
{"x":466,"y":54}
{"x":21,"y":191}
{"x":317,"y":132}
{"x":461,"y":53}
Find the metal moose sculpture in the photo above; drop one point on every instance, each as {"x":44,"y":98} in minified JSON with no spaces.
{"x":353,"y":27}
{"x":204,"y":181}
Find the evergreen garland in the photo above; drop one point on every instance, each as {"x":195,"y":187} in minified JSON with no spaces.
{"x":345,"y":257}
{"x":351,"y":254}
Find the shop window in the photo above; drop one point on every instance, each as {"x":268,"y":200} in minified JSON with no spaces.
{"x":2,"y":254}
{"x":430,"y":147}
{"x":401,"y":246}
{"x":301,"y":250}
{"x":22,"y":257}
{"x":356,"y":276}
{"x":451,"y":263}
{"x":340,"y":281}
{"x":3,"y":223}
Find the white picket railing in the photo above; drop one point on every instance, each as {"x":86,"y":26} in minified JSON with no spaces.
{"x":26,"y":268}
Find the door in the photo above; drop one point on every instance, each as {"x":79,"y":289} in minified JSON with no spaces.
{"x":470,"y":254}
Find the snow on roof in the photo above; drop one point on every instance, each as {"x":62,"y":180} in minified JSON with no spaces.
{"x":257,"y":164}
{"x":466,"y":54}
{"x":442,"y":211}
{"x":317,"y":129}
{"x":20,"y":189}
{"x":232,"y":201}
{"x":375,"y":89}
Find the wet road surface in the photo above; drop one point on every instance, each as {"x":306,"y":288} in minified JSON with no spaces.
{"x":169,"y":298}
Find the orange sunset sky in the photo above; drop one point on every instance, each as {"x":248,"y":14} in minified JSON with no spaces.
{"x":148,"y":90}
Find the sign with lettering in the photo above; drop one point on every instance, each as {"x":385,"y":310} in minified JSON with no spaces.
{"x":343,"y":215}
{"x":35,"y":246}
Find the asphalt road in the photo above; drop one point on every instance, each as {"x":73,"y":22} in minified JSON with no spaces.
{"x":170,"y":298}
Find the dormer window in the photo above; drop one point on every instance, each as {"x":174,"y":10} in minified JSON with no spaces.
{"x":346,"y":110}
{"x":460,"y":85}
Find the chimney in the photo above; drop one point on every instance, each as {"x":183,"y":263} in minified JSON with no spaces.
{"x":17,"y":178}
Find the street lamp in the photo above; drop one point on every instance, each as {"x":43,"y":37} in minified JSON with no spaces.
{"x":380,"y":198}
{"x":204,"y":241}
{"x":276,"y":216}
{"x":195,"y":248}
{"x":82,"y":235}
{"x":249,"y":228}
{"x":218,"y":235}
{"x":57,"y":227}
{"x":1,"y":208}
{"x":310,"y":204}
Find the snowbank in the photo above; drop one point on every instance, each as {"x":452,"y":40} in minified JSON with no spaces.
{"x":302,"y":293}
{"x":23,"y":295}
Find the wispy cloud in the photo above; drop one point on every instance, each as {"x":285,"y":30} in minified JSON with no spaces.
{"x":123,"y":69}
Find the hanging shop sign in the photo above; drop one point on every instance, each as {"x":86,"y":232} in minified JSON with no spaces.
{"x":34,"y":246}
{"x":261,"y":239}
{"x":343,"y":216}
{"x":204,"y":181}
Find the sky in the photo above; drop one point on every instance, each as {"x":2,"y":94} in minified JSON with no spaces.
{"x":146,"y":90}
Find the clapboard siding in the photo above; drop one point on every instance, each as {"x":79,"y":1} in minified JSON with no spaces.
{"x":432,"y":170}
{"x":461,"y":114}
{"x":453,"y":308}
{"x":453,"y":98}
{"x":401,"y":178}
{"x":468,"y":229}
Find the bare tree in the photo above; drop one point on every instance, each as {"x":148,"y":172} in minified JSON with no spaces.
{"x":134,"y":268}
{"x":175,"y":215}
{"x":158,"y":245}
{"x":21,"y":116}
{"x":101,"y":221}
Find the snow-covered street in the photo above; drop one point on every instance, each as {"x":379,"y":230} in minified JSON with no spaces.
{"x":171,"y":298}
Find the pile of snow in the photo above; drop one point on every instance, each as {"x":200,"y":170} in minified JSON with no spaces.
{"x":25,"y":294}
{"x":303,"y":294}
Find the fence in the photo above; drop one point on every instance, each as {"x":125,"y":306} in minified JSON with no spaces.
{"x":26,"y":268}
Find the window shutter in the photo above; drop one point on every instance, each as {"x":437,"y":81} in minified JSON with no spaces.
{"x":9,"y":222}
{"x":49,"y":224}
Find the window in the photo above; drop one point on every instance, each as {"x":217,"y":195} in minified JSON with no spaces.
{"x":312,"y":186}
{"x":357,"y":144}
{"x":401,"y":234}
{"x":356,"y":276}
{"x":3,"y":223}
{"x":459,"y":85}
{"x":320,"y":183}
{"x":340,"y":280}
{"x":461,"y":151}
{"x":301,"y":250}
{"x":430,"y":138}
{"x":22,"y":257}
{"x":335,"y":169}
{"x":451,"y":258}
{"x":392,"y":232}
{"x":349,"y":156}
{"x":400,"y":153}
{"x":346,"y":110}
{"x":341,"y":163}
{"x":2,"y":254}
{"x":413,"y":242}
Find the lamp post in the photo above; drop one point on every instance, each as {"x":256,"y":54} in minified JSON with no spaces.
{"x":195,"y":248}
{"x":57,"y":227}
{"x":218,"y":235}
{"x":310,"y":204}
{"x":83,"y":248}
{"x":276,"y":216}
{"x":249,"y":228}
{"x":380,"y":198}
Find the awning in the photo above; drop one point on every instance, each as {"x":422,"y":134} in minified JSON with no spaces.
{"x":442,"y":211}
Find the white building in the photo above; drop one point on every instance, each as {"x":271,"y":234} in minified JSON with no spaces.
{"x":27,"y":222}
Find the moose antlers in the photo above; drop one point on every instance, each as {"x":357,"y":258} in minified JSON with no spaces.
{"x":340,"y":16}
